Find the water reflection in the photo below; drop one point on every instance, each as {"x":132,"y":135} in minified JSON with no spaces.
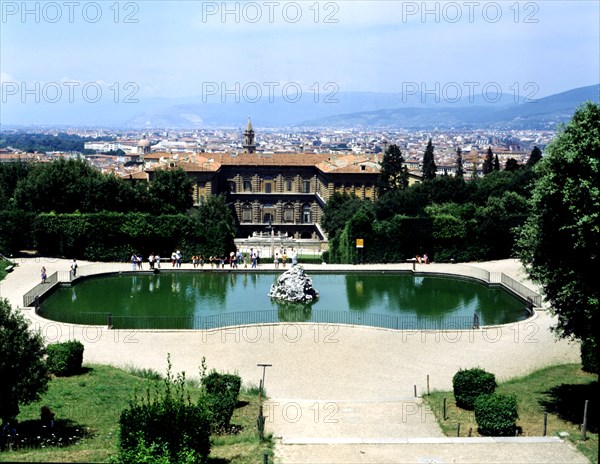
{"x":186,"y":296}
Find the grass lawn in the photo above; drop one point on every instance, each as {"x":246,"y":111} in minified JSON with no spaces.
{"x":559,"y":391}
{"x":88,"y":406}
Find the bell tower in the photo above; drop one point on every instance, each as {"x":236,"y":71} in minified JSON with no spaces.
{"x":249,"y":145}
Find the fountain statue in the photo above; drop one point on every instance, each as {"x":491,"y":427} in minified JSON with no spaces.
{"x":294,"y":286}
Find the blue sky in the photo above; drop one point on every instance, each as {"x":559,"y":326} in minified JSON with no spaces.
{"x":176,"y":48}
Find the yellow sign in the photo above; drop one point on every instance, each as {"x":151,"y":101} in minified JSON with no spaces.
{"x":360,"y":243}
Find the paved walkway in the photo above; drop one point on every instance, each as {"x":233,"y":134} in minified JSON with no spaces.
{"x":341,"y":393}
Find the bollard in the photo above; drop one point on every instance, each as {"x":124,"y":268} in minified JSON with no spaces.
{"x":470,"y":431}
{"x":427,"y":384}
{"x":545,"y":423}
{"x":109,"y":322}
{"x":458,"y":430}
{"x":415,"y":391}
{"x":445,"y":416}
{"x":260,"y":422}
{"x":584,"y":425}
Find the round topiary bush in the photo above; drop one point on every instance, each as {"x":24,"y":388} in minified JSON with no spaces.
{"x":65,"y":359}
{"x":468,"y":384}
{"x":496,"y":414}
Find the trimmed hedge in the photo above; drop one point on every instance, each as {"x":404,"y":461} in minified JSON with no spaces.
{"x":65,"y":359}
{"x":223,"y":391}
{"x":497,"y":414}
{"x":468,"y":384}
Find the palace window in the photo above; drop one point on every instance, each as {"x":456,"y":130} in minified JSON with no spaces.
{"x":246,"y":213}
{"x":288,"y":213}
{"x":306,"y":214}
{"x":247,"y":186}
{"x":289,"y":185}
{"x":306,"y":186}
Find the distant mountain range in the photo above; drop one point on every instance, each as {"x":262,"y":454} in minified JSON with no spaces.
{"x":412,"y":110}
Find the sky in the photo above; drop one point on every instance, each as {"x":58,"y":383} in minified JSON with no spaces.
{"x":144,"y":49}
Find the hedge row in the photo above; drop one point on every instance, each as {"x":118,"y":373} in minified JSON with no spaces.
{"x":107,"y":236}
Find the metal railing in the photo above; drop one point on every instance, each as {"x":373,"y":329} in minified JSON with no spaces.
{"x":270,"y":316}
{"x":32,"y":297}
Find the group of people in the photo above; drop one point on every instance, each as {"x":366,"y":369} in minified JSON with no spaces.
{"x":422,"y":259}
{"x":137,"y":262}
{"x":234,"y":260}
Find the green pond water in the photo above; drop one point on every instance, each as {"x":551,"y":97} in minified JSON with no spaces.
{"x":204,"y":300}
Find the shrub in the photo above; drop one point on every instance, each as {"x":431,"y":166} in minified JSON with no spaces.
{"x":468,"y":384}
{"x":65,"y":358}
{"x":166,"y":426}
{"x":223,"y":391}
{"x":496,"y":414}
{"x":589,"y":355}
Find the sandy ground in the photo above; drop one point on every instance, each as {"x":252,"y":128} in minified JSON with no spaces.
{"x":339,"y":393}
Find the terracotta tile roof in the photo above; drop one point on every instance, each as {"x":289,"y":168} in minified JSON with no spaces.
{"x":270,"y":159}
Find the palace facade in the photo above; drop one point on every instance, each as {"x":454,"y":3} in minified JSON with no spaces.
{"x":284,"y":190}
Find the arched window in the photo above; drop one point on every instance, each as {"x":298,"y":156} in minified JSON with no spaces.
{"x":306,"y":214}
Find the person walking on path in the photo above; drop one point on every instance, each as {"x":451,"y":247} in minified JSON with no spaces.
{"x":74,"y":268}
{"x":44,"y":275}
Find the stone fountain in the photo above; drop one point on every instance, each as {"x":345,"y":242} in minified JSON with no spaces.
{"x":294,"y":286}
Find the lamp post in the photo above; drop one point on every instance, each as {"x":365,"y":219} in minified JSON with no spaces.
{"x":272,"y":238}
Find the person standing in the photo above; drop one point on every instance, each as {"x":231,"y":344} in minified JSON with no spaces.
{"x":44,"y":275}
{"x":74,"y":268}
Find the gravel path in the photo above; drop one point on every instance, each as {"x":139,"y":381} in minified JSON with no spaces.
{"x":333,"y":387}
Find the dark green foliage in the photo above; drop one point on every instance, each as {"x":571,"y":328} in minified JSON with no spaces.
{"x":338,"y":211}
{"x":394,"y":173}
{"x":171,"y":190}
{"x":589,"y":355}
{"x":512,"y":165}
{"x":65,"y":359}
{"x":496,"y":163}
{"x":559,"y":243}
{"x":33,"y":142}
{"x":468,"y":384}
{"x":496,"y":414}
{"x":534,"y":157}
{"x":166,"y":425}
{"x":215,"y":224}
{"x":15,"y":231}
{"x":223,"y":391}
{"x":488,"y":162}
{"x":111,"y":236}
{"x":429,"y":168}
{"x":22,"y":368}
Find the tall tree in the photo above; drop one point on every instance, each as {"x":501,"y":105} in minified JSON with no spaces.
{"x":534,"y":157}
{"x":488,"y":162}
{"x":429,"y":167}
{"x":496,"y":163}
{"x":511,"y":165}
{"x":22,"y":366}
{"x":460,"y":171}
{"x":338,"y":211}
{"x":394,"y":173}
{"x":171,"y":190}
{"x":560,"y":241}
{"x":217,"y":225}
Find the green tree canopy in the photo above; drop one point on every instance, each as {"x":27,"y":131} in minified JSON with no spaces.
{"x":488,"y":162}
{"x":429,"y":168}
{"x":560,"y":241}
{"x":217,"y":225}
{"x":460,"y":170}
{"x":22,"y":366}
{"x":338,"y":211}
{"x":171,"y":190}
{"x":534,"y":157}
{"x":394,"y":173}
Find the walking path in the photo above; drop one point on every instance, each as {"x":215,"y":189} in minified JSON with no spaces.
{"x":341,"y":393}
